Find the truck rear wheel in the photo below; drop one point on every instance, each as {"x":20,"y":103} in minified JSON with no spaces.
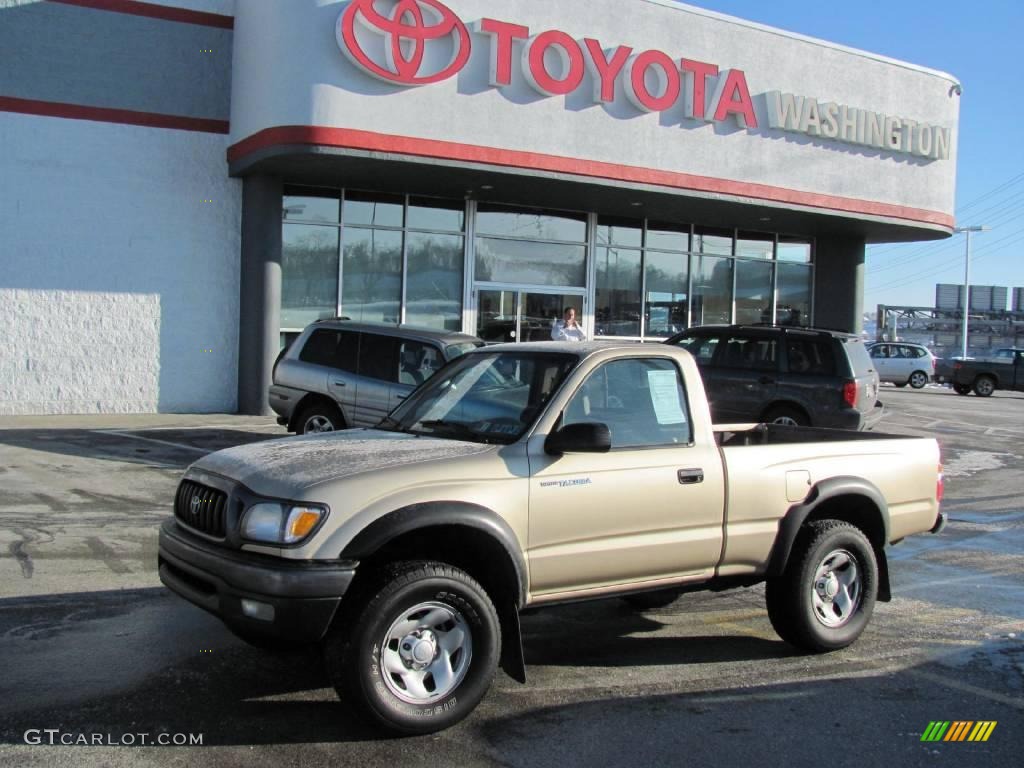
{"x":824,"y":598}
{"x":421,"y":651}
{"x":984,"y":386}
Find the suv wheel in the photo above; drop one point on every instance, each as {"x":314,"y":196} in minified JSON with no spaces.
{"x":787,"y":416}
{"x":824,"y":598}
{"x":918,"y":379}
{"x":984,"y":386}
{"x":320,"y":417}
{"x":420,"y":652}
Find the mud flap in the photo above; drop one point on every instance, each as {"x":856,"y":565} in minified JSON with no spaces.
{"x":884,"y":593}
{"x":513,"y":662}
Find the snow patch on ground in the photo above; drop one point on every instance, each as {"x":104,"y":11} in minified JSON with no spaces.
{"x":970,"y":462}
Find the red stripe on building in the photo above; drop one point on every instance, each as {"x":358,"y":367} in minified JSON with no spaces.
{"x":154,"y":11}
{"x":107,"y":115}
{"x":378,"y":142}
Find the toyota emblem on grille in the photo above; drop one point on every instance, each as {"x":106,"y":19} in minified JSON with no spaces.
{"x":195,"y":506}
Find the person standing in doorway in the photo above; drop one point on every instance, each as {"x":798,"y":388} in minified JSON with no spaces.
{"x":567,"y":329}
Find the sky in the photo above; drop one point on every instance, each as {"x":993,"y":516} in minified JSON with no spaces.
{"x":980,"y":43}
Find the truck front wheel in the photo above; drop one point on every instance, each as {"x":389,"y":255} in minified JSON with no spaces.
{"x":984,"y":386}
{"x":824,"y":598}
{"x":421,"y":651}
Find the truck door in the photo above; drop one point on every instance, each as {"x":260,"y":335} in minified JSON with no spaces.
{"x":650,"y":508}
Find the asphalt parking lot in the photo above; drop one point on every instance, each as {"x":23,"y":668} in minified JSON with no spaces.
{"x":92,"y":645}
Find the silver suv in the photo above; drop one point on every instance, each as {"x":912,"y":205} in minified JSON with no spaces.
{"x":339,"y":374}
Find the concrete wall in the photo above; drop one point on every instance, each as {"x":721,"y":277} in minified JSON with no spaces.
{"x":119,"y":291}
{"x":290,"y":71}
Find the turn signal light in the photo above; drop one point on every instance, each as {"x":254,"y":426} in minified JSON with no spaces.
{"x":939,"y":485}
{"x":850,"y":394}
{"x":301,"y":520}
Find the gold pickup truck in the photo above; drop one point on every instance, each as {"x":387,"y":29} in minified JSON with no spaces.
{"x":527,"y":475}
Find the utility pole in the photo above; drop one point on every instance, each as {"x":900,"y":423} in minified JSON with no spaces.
{"x":967,"y":280}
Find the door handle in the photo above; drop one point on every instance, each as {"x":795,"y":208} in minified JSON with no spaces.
{"x":338,"y":383}
{"x":690,"y":476}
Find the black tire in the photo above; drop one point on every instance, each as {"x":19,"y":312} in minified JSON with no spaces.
{"x":962,"y":389}
{"x":319,"y":417}
{"x":646,"y":601}
{"x":918,"y":379}
{"x":786,"y":415}
{"x":403,"y":702}
{"x":984,"y":386}
{"x":795,"y":601}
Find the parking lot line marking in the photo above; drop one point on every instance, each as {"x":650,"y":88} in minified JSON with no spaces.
{"x":180,"y":446}
{"x":984,"y":693}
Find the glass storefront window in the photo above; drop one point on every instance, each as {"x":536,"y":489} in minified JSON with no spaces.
{"x":310,"y":204}
{"x":794,"y":249}
{"x":433,"y":291}
{"x":794,"y":302}
{"x":614,"y":231}
{"x":712,"y":240}
{"x":666,"y":300}
{"x":668,"y":237}
{"x":712,"y":290}
{"x":373,"y":210}
{"x":309,"y":274}
{"x":371,"y":277}
{"x":530,"y":224}
{"x":530,"y":263}
{"x":617,"y":307}
{"x":444,"y":215}
{"x":755,"y":245}
{"x":753,"y":292}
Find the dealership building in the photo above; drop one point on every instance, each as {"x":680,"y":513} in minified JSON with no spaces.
{"x":187,"y":184}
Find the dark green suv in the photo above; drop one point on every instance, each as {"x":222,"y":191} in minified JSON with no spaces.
{"x":784,"y":375}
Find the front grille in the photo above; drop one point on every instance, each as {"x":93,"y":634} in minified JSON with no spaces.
{"x":201,"y":508}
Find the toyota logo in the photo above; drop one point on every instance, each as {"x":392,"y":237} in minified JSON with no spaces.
{"x":195,"y":505}
{"x":405,"y":33}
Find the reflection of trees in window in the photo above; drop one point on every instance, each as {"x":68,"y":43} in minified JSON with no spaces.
{"x":434,"y":280}
{"x":372,"y":274}
{"x":309,"y":267}
{"x":514,"y":261}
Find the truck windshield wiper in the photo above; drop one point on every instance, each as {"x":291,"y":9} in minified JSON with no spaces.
{"x":460,"y":429}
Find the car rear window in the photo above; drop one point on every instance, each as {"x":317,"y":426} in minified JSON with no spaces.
{"x":810,"y":356}
{"x":860,"y":361}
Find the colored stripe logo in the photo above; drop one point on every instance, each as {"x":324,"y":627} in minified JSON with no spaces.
{"x":959,"y":730}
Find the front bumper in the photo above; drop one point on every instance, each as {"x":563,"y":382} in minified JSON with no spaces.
{"x":303,"y":595}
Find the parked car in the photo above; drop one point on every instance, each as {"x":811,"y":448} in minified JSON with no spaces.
{"x":585,"y":471}
{"x":339,"y":374}
{"x":983,"y":378}
{"x":785,"y":375}
{"x":902,"y":363}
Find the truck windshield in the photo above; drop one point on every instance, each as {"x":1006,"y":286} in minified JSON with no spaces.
{"x":483,"y":397}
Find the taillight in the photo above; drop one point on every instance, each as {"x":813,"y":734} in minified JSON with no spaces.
{"x":850,"y":394}
{"x":957,"y":366}
{"x":939,"y":485}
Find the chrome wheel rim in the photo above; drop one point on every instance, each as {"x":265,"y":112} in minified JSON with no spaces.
{"x":984,"y":387}
{"x":786,"y":421}
{"x":918,"y":380}
{"x":837,"y":589}
{"x":318,"y":423}
{"x":426,"y":653}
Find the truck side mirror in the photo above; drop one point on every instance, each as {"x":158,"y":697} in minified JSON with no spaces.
{"x":586,"y":437}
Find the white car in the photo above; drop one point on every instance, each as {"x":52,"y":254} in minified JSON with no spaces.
{"x":901,"y":363}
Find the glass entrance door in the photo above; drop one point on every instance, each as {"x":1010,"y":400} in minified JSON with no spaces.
{"x":521,"y":315}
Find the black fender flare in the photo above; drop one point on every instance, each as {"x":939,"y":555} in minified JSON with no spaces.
{"x":459,"y":513}
{"x":826,"y":490}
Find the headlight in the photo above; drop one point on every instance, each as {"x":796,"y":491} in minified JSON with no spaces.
{"x":280,"y":523}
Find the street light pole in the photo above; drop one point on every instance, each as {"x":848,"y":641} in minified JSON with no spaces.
{"x":967,"y":280}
